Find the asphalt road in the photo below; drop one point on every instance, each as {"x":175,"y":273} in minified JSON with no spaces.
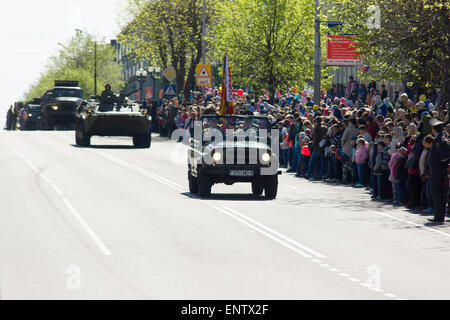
{"x":114,"y":222}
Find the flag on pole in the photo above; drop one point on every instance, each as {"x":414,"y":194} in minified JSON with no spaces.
{"x":277,"y":94}
{"x":226,"y":103}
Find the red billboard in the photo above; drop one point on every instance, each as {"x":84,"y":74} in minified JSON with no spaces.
{"x":341,"y":51}
{"x":148,"y":93}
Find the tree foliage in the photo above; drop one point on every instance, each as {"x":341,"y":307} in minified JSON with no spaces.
{"x":270,"y":42}
{"x":75,"y":61}
{"x":411,"y":43}
{"x":168,"y":33}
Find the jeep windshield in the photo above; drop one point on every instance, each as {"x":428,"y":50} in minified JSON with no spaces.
{"x":235,"y":125}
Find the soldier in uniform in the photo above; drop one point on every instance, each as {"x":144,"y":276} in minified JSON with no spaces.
{"x":438,"y":161}
{"x":107,"y":100}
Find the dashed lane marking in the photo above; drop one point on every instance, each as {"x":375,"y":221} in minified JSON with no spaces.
{"x":71,"y":209}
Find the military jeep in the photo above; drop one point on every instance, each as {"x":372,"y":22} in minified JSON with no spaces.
{"x":126,"y":119}
{"x":233,"y":149}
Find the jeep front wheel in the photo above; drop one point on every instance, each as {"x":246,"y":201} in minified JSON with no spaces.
{"x":257,"y":188}
{"x":193,"y":183}
{"x":271,"y":188}
{"x":204,"y":185}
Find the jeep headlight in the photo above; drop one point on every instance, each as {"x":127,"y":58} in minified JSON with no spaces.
{"x":266,"y":157}
{"x":217,"y":156}
{"x":55,"y":108}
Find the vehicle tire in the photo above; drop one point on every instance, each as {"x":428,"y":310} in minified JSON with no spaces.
{"x":204,"y":185}
{"x":271,"y":188}
{"x":143,"y":141}
{"x":77,"y":137}
{"x":257,"y":188}
{"x":86,"y":139}
{"x":193,"y":183}
{"x":82,"y":138}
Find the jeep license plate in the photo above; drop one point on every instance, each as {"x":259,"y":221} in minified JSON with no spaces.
{"x":241,"y":173}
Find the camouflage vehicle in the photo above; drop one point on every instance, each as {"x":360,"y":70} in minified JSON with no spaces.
{"x":126,"y":119}
{"x":59,"y":105}
{"x":232,"y":149}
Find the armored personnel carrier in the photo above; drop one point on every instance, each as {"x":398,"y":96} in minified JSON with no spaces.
{"x":127,"y":119}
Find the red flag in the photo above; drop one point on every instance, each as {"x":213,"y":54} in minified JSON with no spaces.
{"x":226,"y":104}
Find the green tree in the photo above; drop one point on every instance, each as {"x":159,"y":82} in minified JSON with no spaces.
{"x":75,"y":61}
{"x":167,"y":33}
{"x":270,"y":43}
{"x":406,"y":41}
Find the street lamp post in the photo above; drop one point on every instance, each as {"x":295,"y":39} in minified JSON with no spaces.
{"x":154,"y":72}
{"x":317,"y":55}
{"x":142,"y":74}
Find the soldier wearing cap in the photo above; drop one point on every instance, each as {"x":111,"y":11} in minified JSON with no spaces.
{"x":438,"y":161}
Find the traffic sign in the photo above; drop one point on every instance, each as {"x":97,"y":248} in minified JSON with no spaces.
{"x":170,"y":90}
{"x":204,"y":75}
{"x":170,"y":74}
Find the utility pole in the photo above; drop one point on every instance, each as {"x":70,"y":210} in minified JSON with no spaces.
{"x":95,"y":69}
{"x":317,"y":56}
{"x":204,"y":42}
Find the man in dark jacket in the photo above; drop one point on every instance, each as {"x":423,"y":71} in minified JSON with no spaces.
{"x":107,"y":99}
{"x":319,"y":135}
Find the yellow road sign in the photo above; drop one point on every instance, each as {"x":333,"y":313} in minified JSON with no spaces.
{"x":170,"y":74}
{"x":204,"y":75}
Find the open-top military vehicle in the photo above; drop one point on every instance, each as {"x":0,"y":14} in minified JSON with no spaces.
{"x":124,"y":119}
{"x":233,"y":149}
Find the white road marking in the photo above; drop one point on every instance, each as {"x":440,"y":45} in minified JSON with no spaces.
{"x":44,"y":177}
{"x":73,"y":211}
{"x":261,"y":231}
{"x":281,"y":236}
{"x":58,"y":190}
{"x":87,"y":228}
{"x":390,"y":295}
{"x":140,"y":170}
{"x":412,"y":223}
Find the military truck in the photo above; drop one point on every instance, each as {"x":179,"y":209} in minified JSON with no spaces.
{"x":233,"y":149}
{"x":128,"y":119}
{"x":59,"y":105}
{"x":31,"y":116}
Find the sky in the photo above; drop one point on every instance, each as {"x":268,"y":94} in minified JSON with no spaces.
{"x":31,"y":30}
